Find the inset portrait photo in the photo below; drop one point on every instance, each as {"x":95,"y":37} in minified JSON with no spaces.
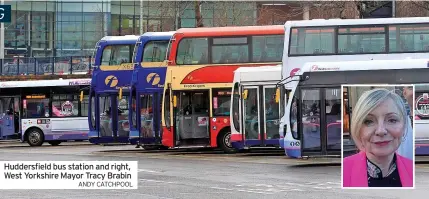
{"x":378,"y":136}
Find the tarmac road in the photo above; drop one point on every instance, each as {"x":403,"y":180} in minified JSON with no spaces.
{"x":206,"y":174}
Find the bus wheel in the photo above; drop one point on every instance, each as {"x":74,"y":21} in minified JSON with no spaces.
{"x":224,"y":142}
{"x":54,"y":143}
{"x":35,"y":137}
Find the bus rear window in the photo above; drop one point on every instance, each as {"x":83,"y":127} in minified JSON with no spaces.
{"x":117,"y":54}
{"x":154,"y":51}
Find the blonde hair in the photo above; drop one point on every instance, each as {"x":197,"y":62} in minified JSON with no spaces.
{"x":368,"y":102}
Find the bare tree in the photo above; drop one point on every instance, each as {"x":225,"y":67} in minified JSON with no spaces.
{"x":412,"y":8}
{"x":198,"y":16}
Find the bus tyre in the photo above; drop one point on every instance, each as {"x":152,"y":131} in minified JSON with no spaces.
{"x":35,"y":137}
{"x":54,"y":143}
{"x":224,"y":142}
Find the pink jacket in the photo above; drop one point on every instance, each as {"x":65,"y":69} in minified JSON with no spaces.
{"x":355,"y":171}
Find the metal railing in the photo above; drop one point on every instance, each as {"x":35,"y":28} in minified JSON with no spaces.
{"x":76,"y":65}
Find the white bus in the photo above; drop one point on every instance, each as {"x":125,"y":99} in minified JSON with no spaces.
{"x":255,"y":112}
{"x":321,"y":40}
{"x":41,"y":111}
{"x":312,"y":119}
{"x":331,"y":40}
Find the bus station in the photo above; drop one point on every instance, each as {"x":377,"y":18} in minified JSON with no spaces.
{"x":269,"y":99}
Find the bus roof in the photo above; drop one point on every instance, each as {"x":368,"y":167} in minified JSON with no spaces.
{"x":120,"y":39}
{"x":231,"y":31}
{"x":364,"y":65}
{"x":156,"y":34}
{"x":347,"y":22}
{"x":45,"y":83}
{"x":258,"y":74}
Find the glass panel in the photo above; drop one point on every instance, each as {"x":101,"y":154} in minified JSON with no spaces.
{"x":312,"y":41}
{"x":267,"y":48}
{"x":123,"y":123}
{"x":93,"y":111}
{"x":155,"y":51}
{"x":333,"y":118}
{"x":409,"y":38}
{"x":134,"y":108}
{"x":146,"y":118}
{"x":236,"y":108}
{"x":311,"y":119}
{"x":167,"y":117}
{"x":221,"y":102}
{"x":230,"y":54}
{"x":294,"y":117}
{"x":361,"y":40}
{"x":229,"y":41}
{"x":36,"y":108}
{"x":116,"y":55}
{"x":422,"y":105}
{"x":107,"y":53}
{"x":105,"y":116}
{"x":251,"y":111}
{"x":271,"y":114}
{"x":65,"y":107}
{"x":184,"y":116}
{"x":192,"y":51}
{"x":200,"y":115}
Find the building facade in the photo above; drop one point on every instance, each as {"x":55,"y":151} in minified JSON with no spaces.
{"x":58,"y":28}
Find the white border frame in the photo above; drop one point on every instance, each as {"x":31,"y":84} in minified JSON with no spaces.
{"x":342,"y":126}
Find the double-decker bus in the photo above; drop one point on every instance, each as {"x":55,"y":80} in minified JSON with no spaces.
{"x":314,"y":109}
{"x":254,"y":108}
{"x":111,"y":77}
{"x":147,"y":86}
{"x":348,"y":40}
{"x":41,"y":111}
{"x":197,"y":92}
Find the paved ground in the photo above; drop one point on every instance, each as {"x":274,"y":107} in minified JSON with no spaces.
{"x":205,"y":174}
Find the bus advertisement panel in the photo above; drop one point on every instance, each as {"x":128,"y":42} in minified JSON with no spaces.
{"x":197,"y":92}
{"x":44,"y":111}
{"x":333,"y":40}
{"x":147,"y":86}
{"x":254,"y":108}
{"x":108,"y":121}
{"x":314,"y":109}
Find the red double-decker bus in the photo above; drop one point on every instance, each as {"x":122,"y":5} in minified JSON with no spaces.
{"x":198,"y":85}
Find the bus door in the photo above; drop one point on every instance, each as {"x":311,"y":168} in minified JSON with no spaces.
{"x":114,"y":118}
{"x":192,"y":117}
{"x":149,"y":105}
{"x":251,"y":115}
{"x":320,"y":121}
{"x":9,"y":116}
{"x":271,"y":117}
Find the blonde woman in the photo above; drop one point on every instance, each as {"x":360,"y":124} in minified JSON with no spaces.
{"x":378,"y":126}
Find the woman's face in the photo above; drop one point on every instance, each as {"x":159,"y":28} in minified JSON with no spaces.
{"x":382,"y":129}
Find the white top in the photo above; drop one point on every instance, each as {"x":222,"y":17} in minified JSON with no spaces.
{"x":406,"y":148}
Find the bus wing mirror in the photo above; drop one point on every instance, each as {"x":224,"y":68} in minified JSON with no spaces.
{"x":277,"y":95}
{"x":245,"y":92}
{"x":120,"y":93}
{"x":81,"y":96}
{"x":174,"y":101}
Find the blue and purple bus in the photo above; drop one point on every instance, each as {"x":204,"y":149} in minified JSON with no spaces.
{"x":147,"y":86}
{"x":108,"y":109}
